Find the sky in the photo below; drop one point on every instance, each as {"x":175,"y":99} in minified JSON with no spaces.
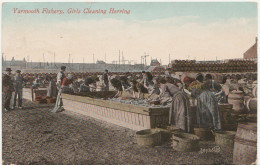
{"x":179,"y":30}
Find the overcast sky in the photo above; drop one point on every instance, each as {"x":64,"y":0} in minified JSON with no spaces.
{"x":183,"y":30}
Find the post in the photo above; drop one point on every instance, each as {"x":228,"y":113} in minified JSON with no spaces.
{"x":105,"y":61}
{"x":119,"y":61}
{"x":54,"y":59}
{"x":169,"y":58}
{"x":69,"y":59}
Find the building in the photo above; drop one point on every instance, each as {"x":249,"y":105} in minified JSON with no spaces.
{"x":251,"y":53}
{"x":156,"y":69}
{"x":155,"y":62}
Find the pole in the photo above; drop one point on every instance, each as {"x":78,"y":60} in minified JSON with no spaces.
{"x":119,"y":61}
{"x":169,"y":58}
{"x":54,"y":59}
{"x":43,"y":61}
{"x":105,"y":61}
{"x":69,"y":59}
{"x":83,"y":64}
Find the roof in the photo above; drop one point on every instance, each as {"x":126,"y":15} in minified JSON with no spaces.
{"x":251,"y":52}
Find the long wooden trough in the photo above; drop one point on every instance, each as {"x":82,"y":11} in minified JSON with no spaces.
{"x":126,"y":115}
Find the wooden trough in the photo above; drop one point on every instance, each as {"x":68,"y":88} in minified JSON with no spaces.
{"x":126,"y":115}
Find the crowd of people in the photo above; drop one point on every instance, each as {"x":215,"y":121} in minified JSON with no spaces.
{"x":202,"y":90}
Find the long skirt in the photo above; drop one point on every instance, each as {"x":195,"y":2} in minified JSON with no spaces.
{"x":58,"y":106}
{"x":207,"y":111}
{"x":180,"y":114}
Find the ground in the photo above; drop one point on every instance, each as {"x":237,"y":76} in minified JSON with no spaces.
{"x":36,"y":136}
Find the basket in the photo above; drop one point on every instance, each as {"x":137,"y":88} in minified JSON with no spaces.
{"x":185,"y":142}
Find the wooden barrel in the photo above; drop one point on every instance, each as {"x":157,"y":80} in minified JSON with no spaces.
{"x":245,"y":148}
{"x":148,"y":137}
{"x":225,"y":139}
{"x":254,"y":91}
{"x":251,"y":104}
{"x":185,"y":142}
{"x":237,"y":99}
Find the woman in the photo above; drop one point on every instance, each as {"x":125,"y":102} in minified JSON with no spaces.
{"x":63,"y":89}
{"x":84,"y":87}
{"x":52,"y":87}
{"x":179,"y":114}
{"x":207,"y":110}
{"x":116,"y":83}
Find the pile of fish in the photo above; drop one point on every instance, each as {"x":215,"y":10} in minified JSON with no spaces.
{"x":139,"y":102}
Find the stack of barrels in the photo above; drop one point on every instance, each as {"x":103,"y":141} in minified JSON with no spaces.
{"x":230,"y":66}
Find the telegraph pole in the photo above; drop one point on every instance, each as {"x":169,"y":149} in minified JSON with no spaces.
{"x":119,"y":61}
{"x":105,"y":61}
{"x":54,"y":59}
{"x":169,"y":58}
{"x":69,"y":59}
{"x":43,"y":61}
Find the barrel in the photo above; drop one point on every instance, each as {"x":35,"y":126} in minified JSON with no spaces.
{"x":245,"y":148}
{"x":225,"y":139}
{"x":254,"y":91}
{"x":237,"y":99}
{"x":251,"y":104}
{"x":185,"y":142}
{"x":148,"y":137}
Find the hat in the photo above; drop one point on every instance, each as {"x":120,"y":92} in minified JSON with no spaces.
{"x":8,"y":69}
{"x":63,"y":67}
{"x":18,"y":71}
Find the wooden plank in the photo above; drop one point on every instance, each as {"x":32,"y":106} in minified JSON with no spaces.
{"x":140,"y":118}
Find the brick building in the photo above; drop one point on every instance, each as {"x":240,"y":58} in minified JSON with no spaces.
{"x":251,"y":53}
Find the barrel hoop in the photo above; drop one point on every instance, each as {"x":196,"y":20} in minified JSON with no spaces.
{"x":247,"y":104}
{"x":235,"y":98}
{"x":246,"y":142}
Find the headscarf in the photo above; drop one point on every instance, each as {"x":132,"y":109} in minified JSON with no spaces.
{"x":188,"y":80}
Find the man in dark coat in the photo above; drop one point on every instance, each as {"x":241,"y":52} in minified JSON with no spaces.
{"x":18,"y":82}
{"x":105,"y":79}
{"x":8,"y":89}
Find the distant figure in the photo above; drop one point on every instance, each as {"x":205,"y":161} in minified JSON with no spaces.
{"x":18,"y":89}
{"x":52,"y":88}
{"x":84,"y":87}
{"x":168,"y":72}
{"x":7,"y":88}
{"x":35,"y":85}
{"x":105,"y":79}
